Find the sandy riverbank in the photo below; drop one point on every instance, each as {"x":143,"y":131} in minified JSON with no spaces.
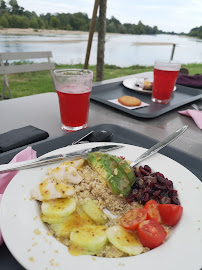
{"x":30,"y":31}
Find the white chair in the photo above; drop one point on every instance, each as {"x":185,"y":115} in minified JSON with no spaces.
{"x":6,"y":69}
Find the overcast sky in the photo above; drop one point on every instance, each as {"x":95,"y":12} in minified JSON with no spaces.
{"x":167,"y":15}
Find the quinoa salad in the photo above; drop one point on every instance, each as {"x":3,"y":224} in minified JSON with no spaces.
{"x":101,"y":206}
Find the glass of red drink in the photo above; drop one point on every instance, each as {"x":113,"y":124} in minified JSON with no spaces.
{"x":73,"y":87}
{"x":165,"y":76}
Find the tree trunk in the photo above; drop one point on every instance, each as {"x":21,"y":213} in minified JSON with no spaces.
{"x":101,"y":40}
{"x":91,"y":32}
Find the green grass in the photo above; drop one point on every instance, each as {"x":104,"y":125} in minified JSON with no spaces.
{"x":25,"y":84}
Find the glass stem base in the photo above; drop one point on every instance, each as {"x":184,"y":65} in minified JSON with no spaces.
{"x":160,"y":101}
{"x":67,"y":128}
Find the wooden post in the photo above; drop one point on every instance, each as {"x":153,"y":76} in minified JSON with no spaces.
{"x":91,"y":32}
{"x":101,"y":41}
{"x":173,"y":51}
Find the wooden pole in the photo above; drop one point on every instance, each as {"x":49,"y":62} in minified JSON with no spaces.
{"x":173,"y":51}
{"x":101,"y":41}
{"x":91,"y":32}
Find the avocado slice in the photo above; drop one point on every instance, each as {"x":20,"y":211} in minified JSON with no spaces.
{"x":108,"y":168}
{"x":125,"y":168}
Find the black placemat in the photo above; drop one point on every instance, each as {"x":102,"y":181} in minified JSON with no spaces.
{"x":120,"y":135}
{"x":183,"y":95}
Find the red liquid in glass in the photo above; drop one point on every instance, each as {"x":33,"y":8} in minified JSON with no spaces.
{"x":74,"y":108}
{"x":164,"y":82}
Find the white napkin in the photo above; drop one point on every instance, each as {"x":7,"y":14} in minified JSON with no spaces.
{"x":115,"y":101}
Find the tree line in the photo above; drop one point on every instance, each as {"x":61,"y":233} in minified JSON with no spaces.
{"x":14,"y":16}
{"x":196,"y":32}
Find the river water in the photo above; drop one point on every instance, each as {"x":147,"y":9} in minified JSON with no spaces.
{"x":119,"y":49}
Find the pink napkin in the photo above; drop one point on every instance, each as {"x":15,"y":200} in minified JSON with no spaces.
{"x":5,"y":178}
{"x":196,"y":116}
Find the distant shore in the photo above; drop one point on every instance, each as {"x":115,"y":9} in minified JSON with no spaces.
{"x":31,"y":31}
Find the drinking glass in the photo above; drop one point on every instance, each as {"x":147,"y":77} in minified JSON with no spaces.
{"x":73,"y":87}
{"x":165,"y":76}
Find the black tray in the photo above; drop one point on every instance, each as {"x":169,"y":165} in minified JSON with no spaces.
{"x":121,"y":135}
{"x":181,"y":96}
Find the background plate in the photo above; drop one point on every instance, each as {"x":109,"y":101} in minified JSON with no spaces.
{"x":20,"y":218}
{"x":130,"y":83}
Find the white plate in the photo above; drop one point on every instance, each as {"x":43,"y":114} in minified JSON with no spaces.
{"x":130,"y":83}
{"x":20,"y":218}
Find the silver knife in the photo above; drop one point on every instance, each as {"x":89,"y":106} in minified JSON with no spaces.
{"x":154,"y":149}
{"x":45,"y":160}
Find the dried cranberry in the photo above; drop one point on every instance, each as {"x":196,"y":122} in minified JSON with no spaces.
{"x":169,"y":184}
{"x":129,"y":199}
{"x":138,"y":174}
{"x":157,"y":193}
{"x":161,"y":180}
{"x":175,"y":200}
{"x":160,"y":174}
{"x":157,"y":186}
{"x":172,"y":193}
{"x":147,"y":168}
{"x":143,"y":171}
{"x":146,"y":197}
{"x":152,"y":185}
{"x":145,"y":190}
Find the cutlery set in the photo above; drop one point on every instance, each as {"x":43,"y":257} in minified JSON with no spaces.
{"x":106,"y":148}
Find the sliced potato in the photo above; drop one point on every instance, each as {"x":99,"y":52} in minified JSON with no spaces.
{"x":53,"y":220}
{"x":58,"y":208}
{"x":76,"y":220}
{"x":87,"y":240}
{"x":93,"y":211}
{"x":124,"y":240}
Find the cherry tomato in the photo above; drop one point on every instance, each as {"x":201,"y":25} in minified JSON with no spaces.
{"x":151,"y":233}
{"x":170,"y":213}
{"x":132,"y":219}
{"x":152,"y":210}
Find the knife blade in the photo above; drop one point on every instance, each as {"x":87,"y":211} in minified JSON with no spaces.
{"x":54,"y":158}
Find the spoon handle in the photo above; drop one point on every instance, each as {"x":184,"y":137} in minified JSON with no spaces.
{"x":154,"y":149}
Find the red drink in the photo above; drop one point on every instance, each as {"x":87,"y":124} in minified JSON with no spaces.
{"x":73,"y":88}
{"x":74,"y":108}
{"x":165,"y":76}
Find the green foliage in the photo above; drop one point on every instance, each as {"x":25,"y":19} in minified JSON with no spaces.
{"x":3,"y":5}
{"x":34,"y":23}
{"x":196,"y":32}
{"x":54,"y":22}
{"x":21,"y":62}
{"x":17,"y":21}
{"x":4,"y":22}
{"x":17,"y":17}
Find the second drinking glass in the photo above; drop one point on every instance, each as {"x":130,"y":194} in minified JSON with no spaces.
{"x":165,"y":76}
